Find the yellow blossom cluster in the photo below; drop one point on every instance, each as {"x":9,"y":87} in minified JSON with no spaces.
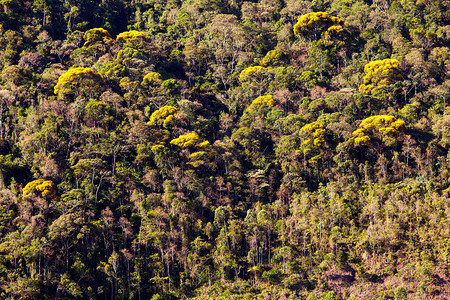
{"x":261,"y":103}
{"x":273,"y":57}
{"x":151,"y":79}
{"x":189,"y":140}
{"x":78,"y":80}
{"x":313,"y":136}
{"x":333,"y":35}
{"x":163,"y":116}
{"x":316,"y":23}
{"x":383,"y":128}
{"x":46,"y":188}
{"x":250,"y":71}
{"x":133,"y":34}
{"x":95,"y":35}
{"x":378,"y":74}
{"x":192,"y":140}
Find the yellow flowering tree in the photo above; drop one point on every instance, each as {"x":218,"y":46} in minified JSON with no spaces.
{"x":79,"y":81}
{"x":96,"y":35}
{"x":152,"y":79}
{"x":162,"y":120}
{"x":334,"y":35}
{"x":202,"y":149}
{"x":44,"y":188}
{"x":133,"y":34}
{"x":313,"y":24}
{"x":261,"y":104}
{"x":379,"y":74}
{"x":189,"y":140}
{"x":312,"y":138}
{"x":383,"y":129}
{"x":128,"y":85}
{"x":165,"y":116}
{"x":133,"y":38}
{"x":273,"y":58}
{"x":250,"y":72}
{"x":157,"y":142}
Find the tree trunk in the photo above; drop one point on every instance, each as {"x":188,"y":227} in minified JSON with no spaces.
{"x":2,"y":180}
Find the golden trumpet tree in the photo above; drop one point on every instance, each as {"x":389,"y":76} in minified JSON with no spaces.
{"x":163,"y":116}
{"x":77,"y":81}
{"x":189,"y":140}
{"x":379,"y":74}
{"x":96,"y":35}
{"x":260,"y":104}
{"x":203,"y":153}
{"x":133,"y":34}
{"x":382,"y":128}
{"x":313,"y":137}
{"x":250,"y":71}
{"x":315,"y":23}
{"x":45,"y":188}
{"x":333,"y":35}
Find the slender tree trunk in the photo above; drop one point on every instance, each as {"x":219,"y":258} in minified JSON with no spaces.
{"x":2,"y":180}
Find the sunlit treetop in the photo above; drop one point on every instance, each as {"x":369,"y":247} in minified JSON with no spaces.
{"x":97,"y":107}
{"x":313,"y":136}
{"x":78,"y":81}
{"x":250,"y":71}
{"x":273,"y":58}
{"x":113,"y":70}
{"x":42,"y":187}
{"x":204,"y":152}
{"x":163,"y":116}
{"x":379,"y":69}
{"x":315,"y":23}
{"x":95,"y":35}
{"x":129,"y":54}
{"x":383,"y":128}
{"x":379,"y":74}
{"x":190,"y":140}
{"x":152,"y":79}
{"x":133,"y":34}
{"x":261,"y":103}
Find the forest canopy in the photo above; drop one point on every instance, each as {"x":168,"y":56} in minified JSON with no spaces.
{"x":224,"y":149}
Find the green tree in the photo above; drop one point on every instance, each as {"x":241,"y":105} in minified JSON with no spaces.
{"x":273,"y":58}
{"x":226,"y":38}
{"x":63,"y":231}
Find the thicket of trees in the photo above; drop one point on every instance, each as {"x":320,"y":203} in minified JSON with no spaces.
{"x":227,"y":149}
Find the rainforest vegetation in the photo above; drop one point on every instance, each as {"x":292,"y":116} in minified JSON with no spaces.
{"x":224,"y":149}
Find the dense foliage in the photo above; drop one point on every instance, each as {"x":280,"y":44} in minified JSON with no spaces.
{"x":224,"y":149}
